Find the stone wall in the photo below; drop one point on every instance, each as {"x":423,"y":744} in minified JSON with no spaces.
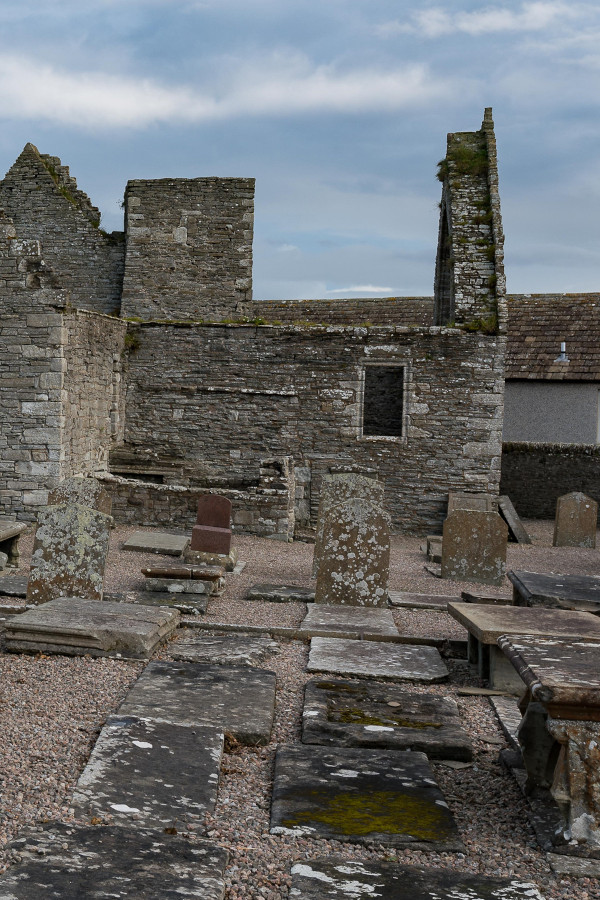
{"x":46,"y":205}
{"x":410,"y":311}
{"x":189,"y":248}
{"x":226,"y":396}
{"x":535,"y":475}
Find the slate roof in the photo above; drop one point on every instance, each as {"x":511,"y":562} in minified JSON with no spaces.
{"x":537,"y":323}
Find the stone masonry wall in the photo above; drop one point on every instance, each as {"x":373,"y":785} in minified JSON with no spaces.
{"x":189,"y":248}
{"x":46,"y":205}
{"x":224,"y":397}
{"x":410,"y":311}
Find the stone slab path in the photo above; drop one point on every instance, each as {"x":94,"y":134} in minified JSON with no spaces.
{"x":384,"y":661}
{"x":151,"y":774}
{"x":73,"y":626}
{"x":157,"y":542}
{"x":322,"y":879}
{"x":223,"y":650}
{"x":239,"y":700}
{"x":321,"y":620}
{"x":388,"y":797}
{"x":93,"y":863}
{"x":368,"y":714}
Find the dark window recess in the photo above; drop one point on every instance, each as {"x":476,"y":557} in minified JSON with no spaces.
{"x":383,"y":401}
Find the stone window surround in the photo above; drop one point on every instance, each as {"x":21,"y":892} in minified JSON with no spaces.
{"x":385,"y":363}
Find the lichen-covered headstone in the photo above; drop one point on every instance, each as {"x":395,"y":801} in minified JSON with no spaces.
{"x":474,"y":547}
{"x":337,"y":488}
{"x":466,"y":500}
{"x":355,"y":561}
{"x":87,"y":491}
{"x":69,"y":553}
{"x":576,"y":521}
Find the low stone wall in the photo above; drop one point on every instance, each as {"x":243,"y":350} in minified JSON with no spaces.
{"x":535,"y":475}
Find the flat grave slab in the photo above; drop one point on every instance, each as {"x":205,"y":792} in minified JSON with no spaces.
{"x":187,"y":604}
{"x":58,"y":861}
{"x":151,"y":774}
{"x":321,"y":620}
{"x":367,"y":714}
{"x":340,"y":879}
{"x":239,"y":700}
{"x":407,"y":600}
{"x":13,"y":585}
{"x":580,"y":592}
{"x":389,"y":797}
{"x":223,"y":650}
{"x":100,"y":628}
{"x":281,"y":593}
{"x":157,"y":542}
{"x":516,"y":530}
{"x":372,"y":659}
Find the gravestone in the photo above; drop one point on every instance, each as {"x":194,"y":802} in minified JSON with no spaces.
{"x":69,"y":553}
{"x":576,"y":521}
{"x":224,"y":650}
{"x":375,"y":659}
{"x":348,"y":621}
{"x":281,"y":593}
{"x":466,"y":500}
{"x":86,"y":491}
{"x":157,"y":542}
{"x":516,"y":530}
{"x":474,"y":547}
{"x":336,"y":489}
{"x":212,"y":531}
{"x":354,"y":566}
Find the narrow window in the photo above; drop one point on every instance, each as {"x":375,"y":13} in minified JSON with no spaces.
{"x":383,"y":402}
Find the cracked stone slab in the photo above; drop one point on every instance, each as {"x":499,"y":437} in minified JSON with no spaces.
{"x":56,"y":861}
{"x":339,"y":879}
{"x":368,"y":714}
{"x":372,"y":659}
{"x":73,"y":626}
{"x":281,"y":593}
{"x":239,"y":700}
{"x":223,"y":650}
{"x":150,"y":774}
{"x":157,"y":542}
{"x":321,"y":620}
{"x":389,"y":797}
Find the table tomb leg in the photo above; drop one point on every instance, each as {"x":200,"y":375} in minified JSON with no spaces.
{"x":576,"y":786}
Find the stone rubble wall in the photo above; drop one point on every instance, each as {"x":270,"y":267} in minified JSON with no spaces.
{"x":46,"y":205}
{"x":189,"y":248}
{"x":225,"y":396}
{"x":409,"y":311}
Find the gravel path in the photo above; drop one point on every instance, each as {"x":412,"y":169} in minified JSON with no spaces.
{"x":52,"y":709}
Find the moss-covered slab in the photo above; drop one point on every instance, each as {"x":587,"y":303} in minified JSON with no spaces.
{"x":369,"y":714}
{"x":223,"y":649}
{"x":323,"y":619}
{"x":389,"y":797}
{"x":376,"y":659}
{"x":96,"y":862}
{"x":237,"y":699}
{"x":338,"y":879}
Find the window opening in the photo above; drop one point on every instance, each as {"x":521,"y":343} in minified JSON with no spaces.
{"x":383,"y":401}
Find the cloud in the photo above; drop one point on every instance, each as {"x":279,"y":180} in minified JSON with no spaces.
{"x":436,"y":22}
{"x":361,"y":289}
{"x":280,"y":86}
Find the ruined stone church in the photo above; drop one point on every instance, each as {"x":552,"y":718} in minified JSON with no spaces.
{"x":141,"y":358}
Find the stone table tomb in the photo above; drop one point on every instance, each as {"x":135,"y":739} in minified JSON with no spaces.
{"x":580,"y":592}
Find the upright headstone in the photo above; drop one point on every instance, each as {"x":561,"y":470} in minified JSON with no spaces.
{"x":354,"y":565}
{"x":69,"y":553}
{"x":86,"y":491}
{"x":466,"y":500}
{"x":212,"y":531}
{"x":336,"y":489}
{"x":474,"y":547}
{"x":576,"y":521}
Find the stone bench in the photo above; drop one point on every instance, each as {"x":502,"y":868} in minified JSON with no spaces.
{"x":10,"y":532}
{"x":486,"y":623}
{"x":580,"y":592}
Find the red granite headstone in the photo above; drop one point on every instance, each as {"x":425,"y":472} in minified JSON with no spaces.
{"x":212,"y":531}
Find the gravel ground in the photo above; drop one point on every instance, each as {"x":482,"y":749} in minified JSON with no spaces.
{"x":52,"y":709}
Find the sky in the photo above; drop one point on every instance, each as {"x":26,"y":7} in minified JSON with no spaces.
{"x":338,"y":108}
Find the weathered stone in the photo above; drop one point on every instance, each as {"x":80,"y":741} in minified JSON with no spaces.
{"x":13,"y":585}
{"x":419,"y":601}
{"x":212,"y":531}
{"x":239,"y":700}
{"x":433,"y":548}
{"x":474,"y":547}
{"x":389,"y":797}
{"x":187,"y":604}
{"x":92,"y":863}
{"x":223,"y":650}
{"x":184,"y":586}
{"x":466,"y":500}
{"x":10,"y":532}
{"x":354,"y":565}
{"x":157,"y":542}
{"x":367,"y":714}
{"x":228,"y":561}
{"x":579,"y":592}
{"x":3,"y":560}
{"x":335,"y":489}
{"x":73,"y":626}
{"x":193,"y":573}
{"x":150,"y":774}
{"x":322,"y":620}
{"x":281,"y":593}
{"x":69,"y":553}
{"x":384,"y":661}
{"x":576,"y":521}
{"x":516,"y":530}
{"x":85,"y":491}
{"x":537,"y":746}
{"x":348,"y":879}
